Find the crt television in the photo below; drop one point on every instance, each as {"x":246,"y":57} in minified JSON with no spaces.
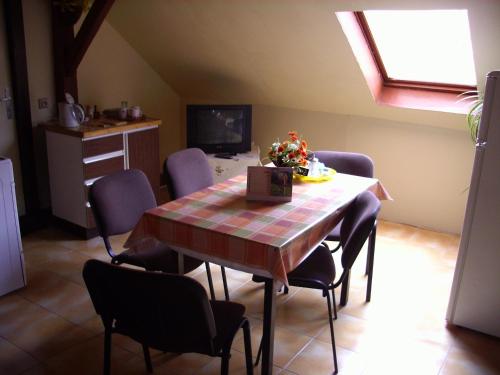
{"x":219,"y":128}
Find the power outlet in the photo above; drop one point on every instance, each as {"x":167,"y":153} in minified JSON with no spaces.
{"x":43,"y":103}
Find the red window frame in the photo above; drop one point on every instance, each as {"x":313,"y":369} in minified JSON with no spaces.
{"x":398,"y":83}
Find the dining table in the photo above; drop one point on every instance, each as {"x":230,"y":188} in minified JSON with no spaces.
{"x":219,"y":225}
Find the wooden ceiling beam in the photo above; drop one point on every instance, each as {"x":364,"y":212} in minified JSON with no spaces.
{"x":69,"y":50}
{"x":87,"y":32}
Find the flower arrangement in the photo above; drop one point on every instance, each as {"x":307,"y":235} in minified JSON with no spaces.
{"x":291,"y":153}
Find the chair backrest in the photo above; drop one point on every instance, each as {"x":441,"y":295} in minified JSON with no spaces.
{"x":118,"y":201}
{"x":347,"y":162}
{"x":164,"y":311}
{"x":357,"y":225}
{"x":187,"y":171}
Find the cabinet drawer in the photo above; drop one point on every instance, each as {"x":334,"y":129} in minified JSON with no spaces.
{"x":102,"y":167}
{"x":101,"y":146}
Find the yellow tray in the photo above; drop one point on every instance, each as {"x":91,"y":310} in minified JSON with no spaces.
{"x":324,"y":177}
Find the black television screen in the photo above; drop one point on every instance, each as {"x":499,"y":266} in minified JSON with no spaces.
{"x":219,"y":128}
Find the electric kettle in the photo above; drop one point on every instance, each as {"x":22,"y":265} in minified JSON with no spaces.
{"x":71,"y":114}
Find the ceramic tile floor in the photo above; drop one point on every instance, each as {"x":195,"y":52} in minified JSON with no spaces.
{"x":50,"y":327}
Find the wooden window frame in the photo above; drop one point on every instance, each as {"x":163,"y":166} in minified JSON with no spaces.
{"x":398,"y":83}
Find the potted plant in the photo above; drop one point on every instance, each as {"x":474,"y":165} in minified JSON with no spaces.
{"x":473,"y":117}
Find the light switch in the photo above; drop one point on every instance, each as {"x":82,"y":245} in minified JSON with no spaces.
{"x":43,"y":103}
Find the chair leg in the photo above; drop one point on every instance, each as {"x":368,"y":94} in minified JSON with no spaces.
{"x":334,"y":300}
{"x":147,"y":358}
{"x":367,"y":266}
{"x":344,"y":291}
{"x":224,"y":282}
{"x":107,"y":351}
{"x":210,"y":282}
{"x":248,"y":347}
{"x":224,"y":366}
{"x":330,"y":320}
{"x":259,"y":353}
{"x":370,"y":262}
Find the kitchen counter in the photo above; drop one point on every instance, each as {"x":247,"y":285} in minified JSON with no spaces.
{"x":100,"y":127}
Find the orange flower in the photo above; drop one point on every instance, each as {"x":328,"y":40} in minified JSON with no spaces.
{"x":293,"y":136}
{"x":291,"y":152}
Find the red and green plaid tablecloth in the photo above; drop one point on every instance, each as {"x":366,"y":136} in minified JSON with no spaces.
{"x":219,"y":225}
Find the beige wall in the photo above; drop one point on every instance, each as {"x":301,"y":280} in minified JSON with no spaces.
{"x":38,"y":37}
{"x":112,"y":71}
{"x":406,"y":149}
{"x":425,"y":169}
{"x":8,"y":136}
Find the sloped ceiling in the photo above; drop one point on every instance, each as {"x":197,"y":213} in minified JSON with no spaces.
{"x":287,"y":53}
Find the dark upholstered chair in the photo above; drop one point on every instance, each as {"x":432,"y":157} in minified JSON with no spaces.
{"x":164,"y":311}
{"x":188,"y":171}
{"x":318,"y":270}
{"x":358,"y":165}
{"x":118,"y":202}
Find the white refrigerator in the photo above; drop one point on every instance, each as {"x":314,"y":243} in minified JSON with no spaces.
{"x":12,"y":274}
{"x":475,"y":295}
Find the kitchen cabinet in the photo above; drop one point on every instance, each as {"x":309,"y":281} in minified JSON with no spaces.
{"x":77,"y":157}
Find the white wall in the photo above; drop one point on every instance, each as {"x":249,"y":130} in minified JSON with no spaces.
{"x":426,"y":169}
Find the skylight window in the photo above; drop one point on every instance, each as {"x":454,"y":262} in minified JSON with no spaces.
{"x":427,"y":49}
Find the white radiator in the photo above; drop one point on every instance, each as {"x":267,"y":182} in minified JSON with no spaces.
{"x":12,"y":273}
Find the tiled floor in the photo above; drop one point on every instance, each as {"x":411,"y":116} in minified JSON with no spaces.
{"x":51,"y":327}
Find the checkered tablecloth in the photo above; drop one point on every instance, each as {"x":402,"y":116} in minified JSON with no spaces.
{"x":219,"y":225}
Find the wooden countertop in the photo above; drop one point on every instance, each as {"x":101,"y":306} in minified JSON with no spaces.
{"x":100,"y":127}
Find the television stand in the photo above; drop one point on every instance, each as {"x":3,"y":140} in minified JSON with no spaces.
{"x":233,"y":165}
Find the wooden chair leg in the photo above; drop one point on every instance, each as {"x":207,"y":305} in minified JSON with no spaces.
{"x":147,"y":358}
{"x":107,"y":351}
{"x":332,"y":335}
{"x":248,"y":347}
{"x":210,"y":282}
{"x":224,"y":282}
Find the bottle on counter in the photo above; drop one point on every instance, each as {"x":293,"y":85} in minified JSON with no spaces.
{"x":123,"y":110}
{"x":96,"y":112}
